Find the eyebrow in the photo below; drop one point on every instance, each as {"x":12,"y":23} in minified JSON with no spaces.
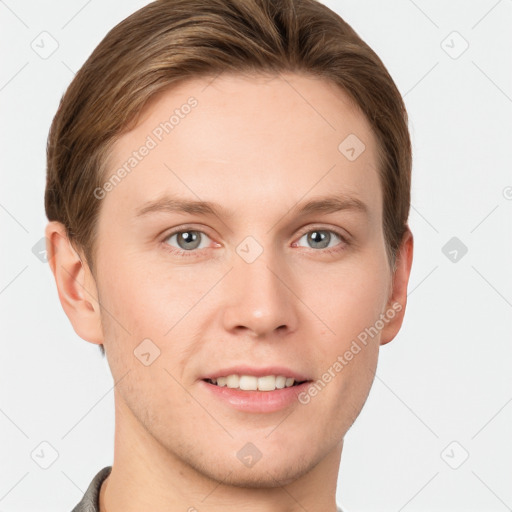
{"x":325,"y":205}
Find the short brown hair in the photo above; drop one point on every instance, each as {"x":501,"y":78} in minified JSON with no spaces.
{"x":169,"y":41}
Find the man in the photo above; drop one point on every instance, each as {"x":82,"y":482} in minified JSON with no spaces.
{"x":228,"y":193}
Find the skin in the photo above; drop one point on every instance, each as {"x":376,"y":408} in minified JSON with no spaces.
{"x":258,"y":148}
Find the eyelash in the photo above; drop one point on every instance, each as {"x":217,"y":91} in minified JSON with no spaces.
{"x":195,"y":252}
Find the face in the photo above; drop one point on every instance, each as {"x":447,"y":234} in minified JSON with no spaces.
{"x":280,"y":275}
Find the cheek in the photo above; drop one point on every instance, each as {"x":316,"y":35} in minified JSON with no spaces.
{"x":149,"y":312}
{"x":356,"y":297}
{"x":347,"y":299}
{"x":150,"y":299}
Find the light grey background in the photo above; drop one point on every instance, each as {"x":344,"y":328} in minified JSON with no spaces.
{"x":443,"y":389}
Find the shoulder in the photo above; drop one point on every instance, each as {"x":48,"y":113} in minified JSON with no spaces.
{"x":90,"y":500}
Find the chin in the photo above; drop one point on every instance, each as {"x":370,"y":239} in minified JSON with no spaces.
{"x":267,"y":472}
{"x":266,"y":476}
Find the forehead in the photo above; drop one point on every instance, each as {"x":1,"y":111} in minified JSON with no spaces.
{"x":249,"y":140}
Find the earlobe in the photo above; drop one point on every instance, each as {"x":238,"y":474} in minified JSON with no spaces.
{"x":395,"y":308}
{"x":75,"y":284}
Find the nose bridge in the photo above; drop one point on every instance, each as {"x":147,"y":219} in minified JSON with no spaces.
{"x":259,"y":300}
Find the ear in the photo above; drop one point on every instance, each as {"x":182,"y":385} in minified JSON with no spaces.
{"x":75,"y":284}
{"x":395,"y":308}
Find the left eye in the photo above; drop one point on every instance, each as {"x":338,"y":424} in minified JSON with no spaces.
{"x":188,"y":240}
{"x":321,"y":238}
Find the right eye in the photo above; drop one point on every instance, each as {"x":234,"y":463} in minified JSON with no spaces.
{"x":187,"y":241}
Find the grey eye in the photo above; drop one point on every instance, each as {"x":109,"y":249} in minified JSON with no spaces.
{"x":320,"y":238}
{"x":187,"y":240}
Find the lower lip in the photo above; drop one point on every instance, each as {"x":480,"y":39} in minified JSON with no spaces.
{"x":256,"y":401}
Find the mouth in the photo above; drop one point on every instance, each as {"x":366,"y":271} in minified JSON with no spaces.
{"x":256,"y":390}
{"x":253,"y":383}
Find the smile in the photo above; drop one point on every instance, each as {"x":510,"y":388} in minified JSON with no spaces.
{"x":253,"y":383}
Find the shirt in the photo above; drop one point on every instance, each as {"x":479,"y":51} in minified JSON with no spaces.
{"x":91,"y":499}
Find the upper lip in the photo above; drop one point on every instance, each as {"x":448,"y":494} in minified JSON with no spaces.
{"x":257,"y":372}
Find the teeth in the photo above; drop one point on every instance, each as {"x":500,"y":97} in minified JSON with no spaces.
{"x":232,"y":381}
{"x":248,"y":383}
{"x":267,"y":383}
{"x":252,"y":383}
{"x":280,"y":382}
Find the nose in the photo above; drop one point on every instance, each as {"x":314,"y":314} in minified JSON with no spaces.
{"x":260,"y":299}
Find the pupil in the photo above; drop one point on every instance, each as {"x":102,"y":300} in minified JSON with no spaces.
{"x":189,"y":237}
{"x":320,"y":237}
